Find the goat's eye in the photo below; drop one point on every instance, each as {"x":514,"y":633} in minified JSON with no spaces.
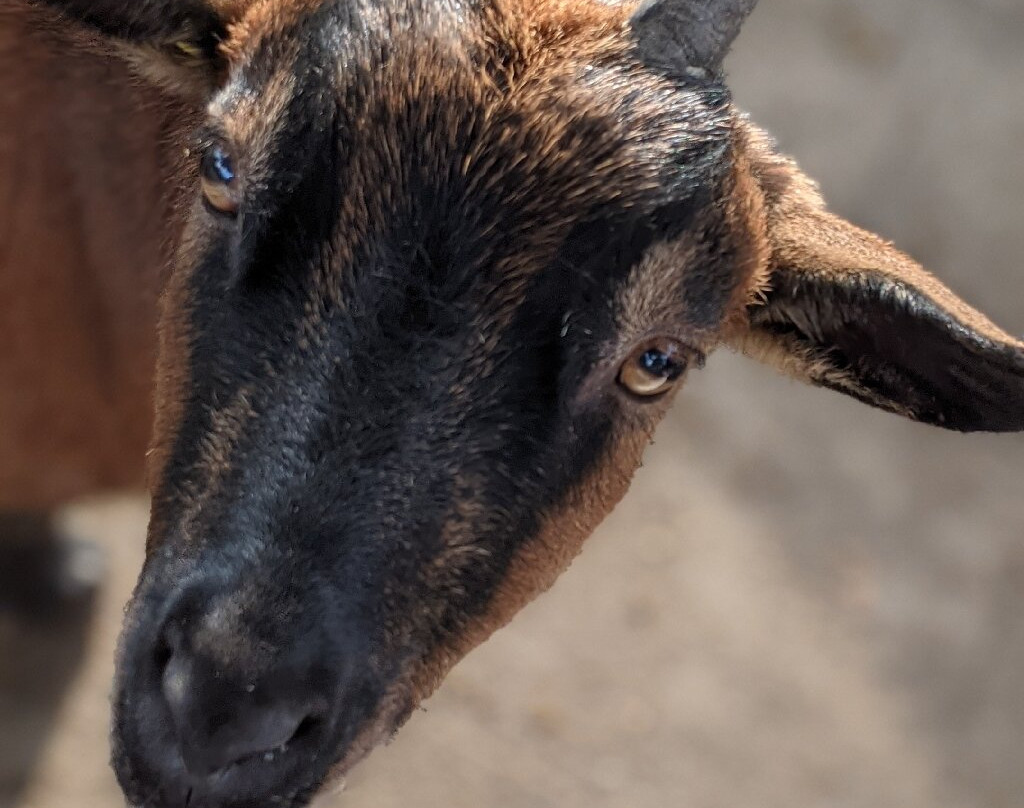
{"x":219,"y":180}
{"x":654,"y":367}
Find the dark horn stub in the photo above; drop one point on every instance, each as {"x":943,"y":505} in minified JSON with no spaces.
{"x":689,"y":32}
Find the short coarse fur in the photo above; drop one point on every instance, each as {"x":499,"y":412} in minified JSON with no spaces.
{"x":388,"y":409}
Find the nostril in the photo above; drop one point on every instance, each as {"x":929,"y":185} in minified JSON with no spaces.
{"x":224,"y":710}
{"x":218,"y":725}
{"x":169,"y":644}
{"x":308,"y":727}
{"x":162,"y":655}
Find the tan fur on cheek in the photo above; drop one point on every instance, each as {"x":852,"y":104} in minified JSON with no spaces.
{"x":173,"y":376}
{"x":661,"y":289}
{"x":226,"y":423}
{"x":251,"y":121}
{"x":532,"y":571}
{"x":651,"y":302}
{"x":561,"y":536}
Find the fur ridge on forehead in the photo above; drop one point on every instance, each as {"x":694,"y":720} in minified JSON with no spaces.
{"x":538,"y":28}
{"x":497,"y":102}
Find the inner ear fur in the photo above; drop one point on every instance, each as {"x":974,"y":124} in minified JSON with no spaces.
{"x":174,"y":43}
{"x":841,"y":308}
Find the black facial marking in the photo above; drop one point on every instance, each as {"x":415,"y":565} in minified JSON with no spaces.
{"x":385,"y":358}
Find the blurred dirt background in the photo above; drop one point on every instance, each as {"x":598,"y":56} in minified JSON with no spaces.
{"x":802,"y":602}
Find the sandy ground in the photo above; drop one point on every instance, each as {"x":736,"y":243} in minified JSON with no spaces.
{"x":802,"y":602}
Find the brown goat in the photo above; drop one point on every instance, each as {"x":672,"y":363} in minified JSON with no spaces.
{"x":441,"y":272}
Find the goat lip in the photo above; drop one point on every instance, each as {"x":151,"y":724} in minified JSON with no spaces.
{"x":307,"y":771}
{"x":163,"y":781}
{"x":235,"y":787}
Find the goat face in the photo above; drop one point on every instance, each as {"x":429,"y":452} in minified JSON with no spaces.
{"x":447,"y":267}
{"x":390,"y":377}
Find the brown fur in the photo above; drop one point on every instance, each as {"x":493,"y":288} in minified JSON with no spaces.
{"x":550,"y":40}
{"x":85,"y":201}
{"x":806,"y":236}
{"x":643,"y":309}
{"x":535,"y":568}
{"x":104,"y":165}
{"x":91,"y":440}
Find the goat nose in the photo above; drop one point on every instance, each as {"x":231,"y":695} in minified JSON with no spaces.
{"x":219,"y":719}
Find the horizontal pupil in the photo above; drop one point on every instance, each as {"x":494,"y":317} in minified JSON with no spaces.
{"x":222,"y":168}
{"x":655,"y":362}
{"x":658,"y":363}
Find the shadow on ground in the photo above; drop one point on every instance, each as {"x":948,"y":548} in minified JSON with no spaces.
{"x":45,"y":626}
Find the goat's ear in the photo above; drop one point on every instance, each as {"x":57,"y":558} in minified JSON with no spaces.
{"x":843,"y":309}
{"x":172,"y":43}
{"x":688,"y":33}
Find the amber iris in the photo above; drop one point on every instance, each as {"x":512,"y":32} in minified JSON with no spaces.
{"x":654,"y":367}
{"x":219,"y":180}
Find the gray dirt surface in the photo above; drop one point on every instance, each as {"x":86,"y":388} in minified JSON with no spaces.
{"x":802,"y":602}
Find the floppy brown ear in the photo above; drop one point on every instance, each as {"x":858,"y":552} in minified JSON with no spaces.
{"x":845,"y":310}
{"x":172,"y":42}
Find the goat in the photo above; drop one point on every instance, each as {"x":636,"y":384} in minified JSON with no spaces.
{"x":436,"y":271}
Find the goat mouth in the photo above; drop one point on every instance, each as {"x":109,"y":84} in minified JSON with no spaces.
{"x":231,"y":787}
{"x":363,"y":706}
{"x":323,"y":749}
{"x":242,"y":784}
